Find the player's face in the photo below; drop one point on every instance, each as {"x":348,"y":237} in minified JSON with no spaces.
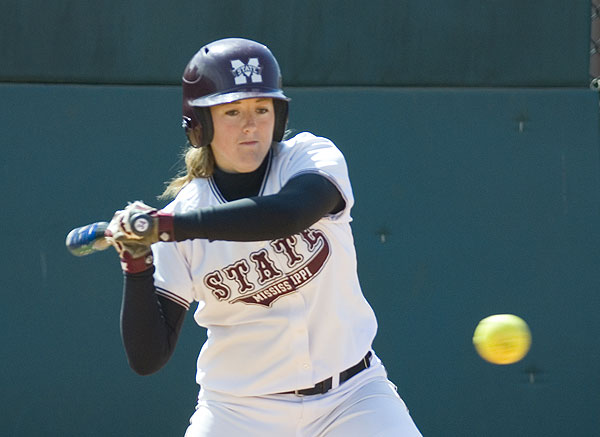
{"x":243,"y":132}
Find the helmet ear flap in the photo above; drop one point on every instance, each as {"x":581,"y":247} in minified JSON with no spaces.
{"x":200,"y":127}
{"x":281,"y":118}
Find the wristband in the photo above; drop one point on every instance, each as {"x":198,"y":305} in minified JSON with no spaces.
{"x":165,"y":226}
{"x":136,"y":265}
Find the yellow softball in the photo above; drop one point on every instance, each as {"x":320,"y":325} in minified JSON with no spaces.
{"x":502,"y":338}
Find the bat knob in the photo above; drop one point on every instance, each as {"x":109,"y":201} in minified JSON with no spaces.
{"x":141,"y":224}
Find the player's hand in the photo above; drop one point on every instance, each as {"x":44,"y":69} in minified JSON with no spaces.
{"x":134,"y":252}
{"x":135,"y":222}
{"x":133,"y":230}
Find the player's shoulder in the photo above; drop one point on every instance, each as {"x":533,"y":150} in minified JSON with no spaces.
{"x":305,"y":138}
{"x":303,"y":141}
{"x":190,"y":197}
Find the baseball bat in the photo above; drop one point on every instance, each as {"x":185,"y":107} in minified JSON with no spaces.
{"x":89,"y":239}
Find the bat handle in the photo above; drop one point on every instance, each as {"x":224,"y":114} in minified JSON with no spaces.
{"x":87,"y":239}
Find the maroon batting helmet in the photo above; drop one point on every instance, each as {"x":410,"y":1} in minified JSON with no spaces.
{"x":228,"y":70}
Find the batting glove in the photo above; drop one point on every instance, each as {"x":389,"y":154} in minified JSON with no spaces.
{"x":133,"y":230}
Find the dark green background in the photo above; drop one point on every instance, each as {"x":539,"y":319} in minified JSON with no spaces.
{"x":317,"y":42}
{"x":481,"y":213}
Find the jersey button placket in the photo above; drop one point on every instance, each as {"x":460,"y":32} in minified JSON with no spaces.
{"x":298,"y":326}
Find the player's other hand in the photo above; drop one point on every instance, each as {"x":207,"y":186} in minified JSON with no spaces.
{"x":133,"y":230}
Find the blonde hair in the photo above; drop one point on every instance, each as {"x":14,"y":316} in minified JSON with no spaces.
{"x":199,"y":163}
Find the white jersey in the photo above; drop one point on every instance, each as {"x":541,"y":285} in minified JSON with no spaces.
{"x":283,"y":314}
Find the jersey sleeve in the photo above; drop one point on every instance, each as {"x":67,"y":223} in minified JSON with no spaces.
{"x":172,"y":277}
{"x":311,"y":154}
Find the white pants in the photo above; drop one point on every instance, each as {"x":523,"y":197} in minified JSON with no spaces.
{"x":366,"y":405}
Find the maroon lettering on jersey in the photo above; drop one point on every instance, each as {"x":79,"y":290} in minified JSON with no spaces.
{"x":265,"y":266}
{"x":295,"y":279}
{"x":238,"y":272}
{"x":310,"y":236}
{"x":214,"y":282}
{"x":286,"y":246}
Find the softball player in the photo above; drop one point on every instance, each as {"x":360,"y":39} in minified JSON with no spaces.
{"x":259,"y":236}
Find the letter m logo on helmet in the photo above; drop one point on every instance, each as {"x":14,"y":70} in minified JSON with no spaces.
{"x":241,"y":72}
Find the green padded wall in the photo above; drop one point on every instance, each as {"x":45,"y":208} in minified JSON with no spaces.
{"x":469,"y":203}
{"x":318,"y":43}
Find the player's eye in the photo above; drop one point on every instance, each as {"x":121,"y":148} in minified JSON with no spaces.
{"x":232,"y":112}
{"x":262,"y":110}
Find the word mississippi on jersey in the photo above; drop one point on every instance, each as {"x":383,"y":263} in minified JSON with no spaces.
{"x":258,"y":279}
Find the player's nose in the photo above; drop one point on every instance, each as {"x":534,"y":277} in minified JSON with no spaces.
{"x":249,"y":122}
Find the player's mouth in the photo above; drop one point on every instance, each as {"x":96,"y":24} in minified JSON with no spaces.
{"x":249,"y":143}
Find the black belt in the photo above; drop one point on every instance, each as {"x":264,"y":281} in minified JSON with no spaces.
{"x":326,"y":385}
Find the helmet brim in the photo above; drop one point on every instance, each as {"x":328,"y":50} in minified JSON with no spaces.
{"x":228,"y":97}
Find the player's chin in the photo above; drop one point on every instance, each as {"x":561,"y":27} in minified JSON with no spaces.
{"x":249,"y":165}
{"x":250,"y":160}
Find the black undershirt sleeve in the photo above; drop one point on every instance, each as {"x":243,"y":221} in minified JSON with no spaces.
{"x":300,"y":203}
{"x":150,"y":323}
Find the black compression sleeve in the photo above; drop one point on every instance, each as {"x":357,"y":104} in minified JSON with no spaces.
{"x":300,"y":203}
{"x":150,"y":324}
